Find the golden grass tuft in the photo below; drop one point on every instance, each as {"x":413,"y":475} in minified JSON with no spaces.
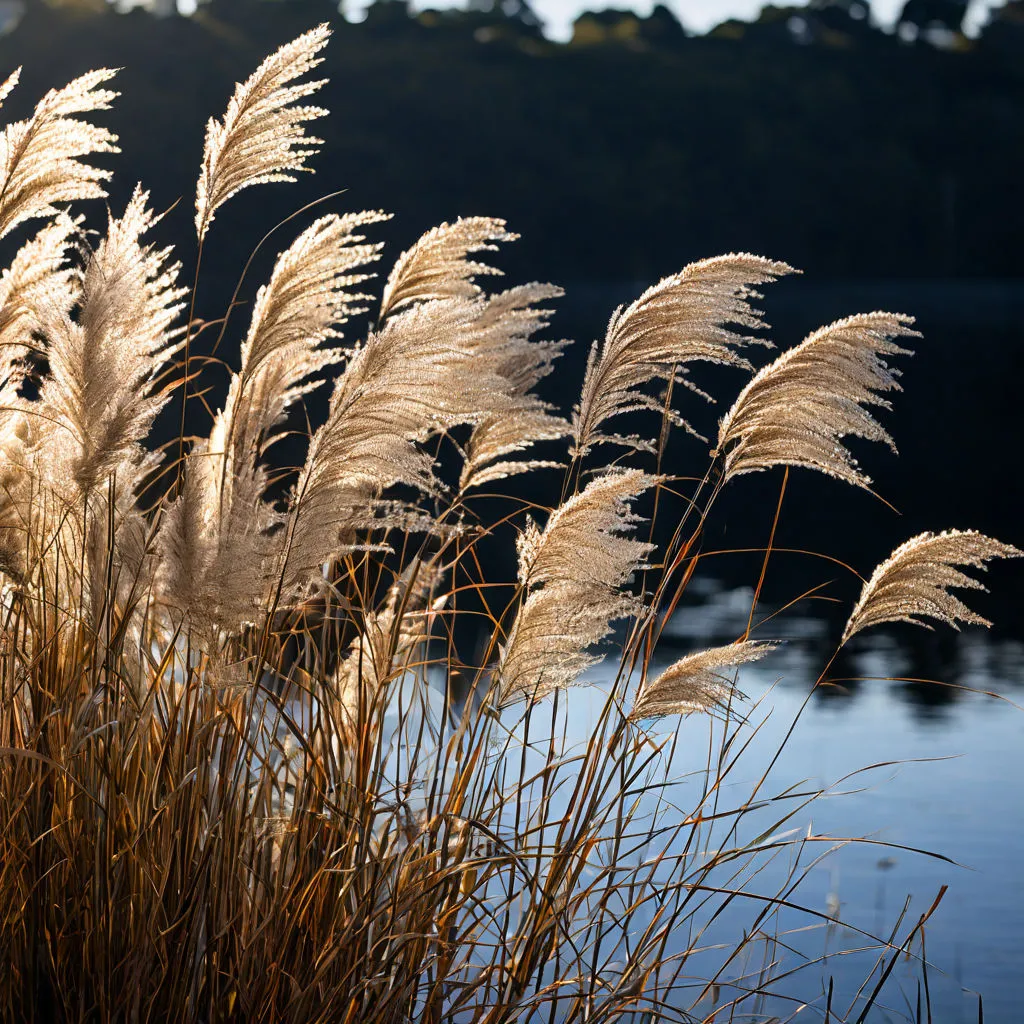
{"x":247,"y":770}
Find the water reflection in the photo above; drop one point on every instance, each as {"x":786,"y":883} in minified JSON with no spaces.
{"x":905,"y":764}
{"x":932,"y":671}
{"x":909,"y":696}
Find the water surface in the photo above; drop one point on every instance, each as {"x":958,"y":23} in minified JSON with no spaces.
{"x":950,"y":762}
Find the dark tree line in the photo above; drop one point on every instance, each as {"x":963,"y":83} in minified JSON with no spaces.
{"x":856,"y":156}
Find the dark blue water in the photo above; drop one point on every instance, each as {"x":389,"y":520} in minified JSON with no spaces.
{"x":949,"y":782}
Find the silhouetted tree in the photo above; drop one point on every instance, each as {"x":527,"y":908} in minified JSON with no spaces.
{"x":1003,"y":33}
{"x":921,"y":15}
{"x":841,"y":15}
{"x":389,"y":16}
{"x":662,"y":27}
{"x":517,"y":11}
{"x":608,"y":26}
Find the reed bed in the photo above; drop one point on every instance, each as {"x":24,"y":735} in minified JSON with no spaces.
{"x":248,"y":770}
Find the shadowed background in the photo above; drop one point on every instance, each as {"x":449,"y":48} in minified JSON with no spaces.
{"x":884,"y":164}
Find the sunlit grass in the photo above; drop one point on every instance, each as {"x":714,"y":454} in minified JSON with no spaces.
{"x":249,"y":769}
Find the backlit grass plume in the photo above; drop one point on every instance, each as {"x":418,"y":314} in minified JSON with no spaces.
{"x":40,"y":282}
{"x":218,"y":557}
{"x":431,"y":367}
{"x":283,"y":744}
{"x":797,"y":410}
{"x":262,"y":136}
{"x":914,"y":582}
{"x":680,"y":320}
{"x":698,"y":682}
{"x":507,"y":321}
{"x":101,"y":395}
{"x":573,"y":572}
{"x":309,"y":296}
{"x":42,"y":159}
{"x":95,"y":408}
{"x":417,"y":376}
{"x":438,"y":265}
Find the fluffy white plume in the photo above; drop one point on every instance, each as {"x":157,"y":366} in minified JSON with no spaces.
{"x":915,"y":580}
{"x":42,"y":158}
{"x":39,"y":283}
{"x":506,"y":324}
{"x":99,"y":399}
{"x":12,"y":80}
{"x":680,"y":320}
{"x":797,"y":410}
{"x":309,"y":296}
{"x":574,"y":573}
{"x":262,"y":137}
{"x":698,"y":682}
{"x":420,"y":374}
{"x":218,"y":558}
{"x":436,"y":267}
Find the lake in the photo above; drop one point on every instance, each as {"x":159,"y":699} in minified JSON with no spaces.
{"x":967,"y":807}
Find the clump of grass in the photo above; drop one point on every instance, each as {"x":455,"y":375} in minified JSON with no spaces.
{"x":245,"y":773}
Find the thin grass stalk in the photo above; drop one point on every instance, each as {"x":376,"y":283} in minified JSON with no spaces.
{"x":399,"y":856}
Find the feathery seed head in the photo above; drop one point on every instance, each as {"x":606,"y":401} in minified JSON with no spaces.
{"x":503,"y":341}
{"x":680,"y":320}
{"x":104,"y":363}
{"x":262,"y":136}
{"x":436,"y":267}
{"x":583,"y":538}
{"x":219,"y":557}
{"x":309,"y":295}
{"x":41,"y":159}
{"x":402,"y":385}
{"x":432,"y":366}
{"x":39,"y":279}
{"x":797,"y":410}
{"x":574,"y":572}
{"x":549,"y":644}
{"x":12,"y":80}
{"x":697,"y":682}
{"x":915,"y":580}
{"x":527,"y":545}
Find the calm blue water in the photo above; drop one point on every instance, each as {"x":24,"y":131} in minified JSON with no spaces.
{"x":967,"y":807}
{"x":876,"y":769}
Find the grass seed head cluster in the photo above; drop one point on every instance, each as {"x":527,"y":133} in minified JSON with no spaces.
{"x":244,"y":772}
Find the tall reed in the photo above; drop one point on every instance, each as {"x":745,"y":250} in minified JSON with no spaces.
{"x":247,"y":771}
